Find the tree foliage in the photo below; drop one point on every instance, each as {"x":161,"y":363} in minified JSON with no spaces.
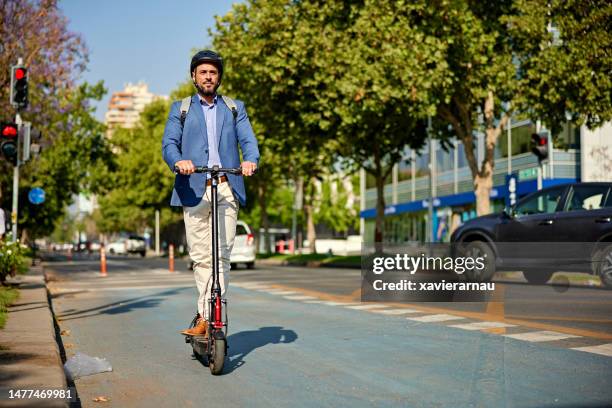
{"x":75,"y":150}
{"x":141,"y":182}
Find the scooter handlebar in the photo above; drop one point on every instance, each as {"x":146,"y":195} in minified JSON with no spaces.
{"x":203,"y":169}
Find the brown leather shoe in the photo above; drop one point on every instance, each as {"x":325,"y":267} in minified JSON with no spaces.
{"x":198,"y":330}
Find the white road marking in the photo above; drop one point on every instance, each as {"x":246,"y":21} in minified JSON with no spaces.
{"x":138,"y":288}
{"x":482,"y":325}
{"x":282,"y":292}
{"x":366,"y":307}
{"x":252,"y":285}
{"x":435,"y":318}
{"x":394,"y":312}
{"x":540,"y":336}
{"x":340,"y":303}
{"x":603,"y":349}
{"x":315,"y":301}
{"x":302,"y":297}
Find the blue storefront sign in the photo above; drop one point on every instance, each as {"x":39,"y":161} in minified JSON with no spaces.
{"x":512,"y":189}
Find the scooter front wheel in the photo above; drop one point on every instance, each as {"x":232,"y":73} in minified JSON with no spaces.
{"x":217,"y":356}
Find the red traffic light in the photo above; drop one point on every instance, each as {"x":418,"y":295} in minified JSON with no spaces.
{"x":9,"y":130}
{"x":19,"y":73}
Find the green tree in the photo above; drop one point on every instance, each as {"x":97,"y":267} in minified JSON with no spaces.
{"x":141,"y":182}
{"x":547,"y":60}
{"x":75,"y":151}
{"x":74,"y":160}
{"x":270,"y":65}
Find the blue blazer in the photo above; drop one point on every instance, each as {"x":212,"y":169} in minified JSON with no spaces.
{"x":192,"y":144}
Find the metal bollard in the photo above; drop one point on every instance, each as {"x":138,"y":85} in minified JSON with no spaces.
{"x":102,"y":260}
{"x":70,"y":253}
{"x":171,"y":258}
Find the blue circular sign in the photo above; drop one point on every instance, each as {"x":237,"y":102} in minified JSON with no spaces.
{"x":36,"y":195}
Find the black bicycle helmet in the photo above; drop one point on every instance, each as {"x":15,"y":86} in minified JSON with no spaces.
{"x":207,"y":56}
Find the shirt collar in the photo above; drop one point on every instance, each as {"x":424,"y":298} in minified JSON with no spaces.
{"x":205,"y":104}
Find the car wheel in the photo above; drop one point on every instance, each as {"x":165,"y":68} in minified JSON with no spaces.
{"x":537,"y":277}
{"x":478,"y":249}
{"x":605,"y":267}
{"x":250,"y":265}
{"x":233,"y":265}
{"x":112,"y":251}
{"x":143,"y":253}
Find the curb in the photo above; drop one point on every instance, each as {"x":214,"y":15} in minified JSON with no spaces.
{"x":29,"y":354}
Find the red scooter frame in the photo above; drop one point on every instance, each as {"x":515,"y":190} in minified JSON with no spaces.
{"x":213,"y":346}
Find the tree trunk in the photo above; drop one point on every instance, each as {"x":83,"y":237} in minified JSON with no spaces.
{"x":309,"y":208}
{"x":264,"y":220}
{"x":459,"y":115}
{"x":483,"y":180}
{"x":380,"y":209}
{"x":482,"y":189}
{"x":25,"y":239}
{"x":311,"y":233}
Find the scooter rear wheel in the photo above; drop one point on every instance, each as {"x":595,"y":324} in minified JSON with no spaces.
{"x":217,"y":356}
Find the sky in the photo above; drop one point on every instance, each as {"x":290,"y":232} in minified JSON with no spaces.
{"x":138,"y":40}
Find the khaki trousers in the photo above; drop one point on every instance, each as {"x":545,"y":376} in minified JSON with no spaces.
{"x":198,"y":228}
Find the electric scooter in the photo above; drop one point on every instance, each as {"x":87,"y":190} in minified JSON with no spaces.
{"x":212,"y":347}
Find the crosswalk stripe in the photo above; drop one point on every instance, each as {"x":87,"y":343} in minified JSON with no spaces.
{"x":603,"y":349}
{"x":394,"y":312}
{"x":340,"y":303}
{"x":482,"y":325}
{"x":282,"y":292}
{"x":366,"y":307}
{"x":435,"y":318}
{"x":539,"y":336}
{"x":253,"y":285}
{"x":299,"y":297}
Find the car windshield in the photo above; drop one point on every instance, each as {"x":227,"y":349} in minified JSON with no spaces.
{"x":241,"y":230}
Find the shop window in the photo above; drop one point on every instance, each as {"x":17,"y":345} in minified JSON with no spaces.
{"x":371,"y":181}
{"x":422,"y":162}
{"x":405,"y":166}
{"x":444,"y":159}
{"x":568,"y":138}
{"x":521,"y":139}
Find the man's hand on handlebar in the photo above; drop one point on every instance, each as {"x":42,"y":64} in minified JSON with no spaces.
{"x":184,"y":167}
{"x":248,"y":168}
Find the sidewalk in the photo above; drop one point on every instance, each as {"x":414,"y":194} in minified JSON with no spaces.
{"x":29,"y":355}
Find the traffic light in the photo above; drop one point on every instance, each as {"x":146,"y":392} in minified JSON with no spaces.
{"x":9,"y":137}
{"x":19,"y":86}
{"x":539,"y":146}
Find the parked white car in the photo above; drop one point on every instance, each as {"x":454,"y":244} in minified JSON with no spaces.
{"x":132,"y":245}
{"x":118,"y":247}
{"x":244,"y":247}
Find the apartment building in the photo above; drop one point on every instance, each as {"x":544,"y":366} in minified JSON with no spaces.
{"x":125,"y":106}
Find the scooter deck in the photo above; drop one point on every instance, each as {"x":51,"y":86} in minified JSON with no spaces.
{"x":199,"y":344}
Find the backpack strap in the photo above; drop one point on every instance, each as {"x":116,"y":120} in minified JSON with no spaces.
{"x":232,"y":105}
{"x":185,"y":104}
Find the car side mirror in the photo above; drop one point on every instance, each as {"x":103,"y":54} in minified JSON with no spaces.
{"x":509,"y":212}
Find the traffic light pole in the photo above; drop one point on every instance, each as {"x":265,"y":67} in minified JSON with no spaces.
{"x":19,"y":123}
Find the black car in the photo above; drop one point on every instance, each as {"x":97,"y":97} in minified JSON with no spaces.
{"x":561,"y":228}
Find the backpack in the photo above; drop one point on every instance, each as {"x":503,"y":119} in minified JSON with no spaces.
{"x":186,"y":103}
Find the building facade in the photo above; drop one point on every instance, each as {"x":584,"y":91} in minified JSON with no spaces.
{"x":125,"y":106}
{"x":578,"y":154}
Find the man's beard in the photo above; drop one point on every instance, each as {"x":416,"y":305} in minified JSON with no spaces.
{"x":202,"y":91}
